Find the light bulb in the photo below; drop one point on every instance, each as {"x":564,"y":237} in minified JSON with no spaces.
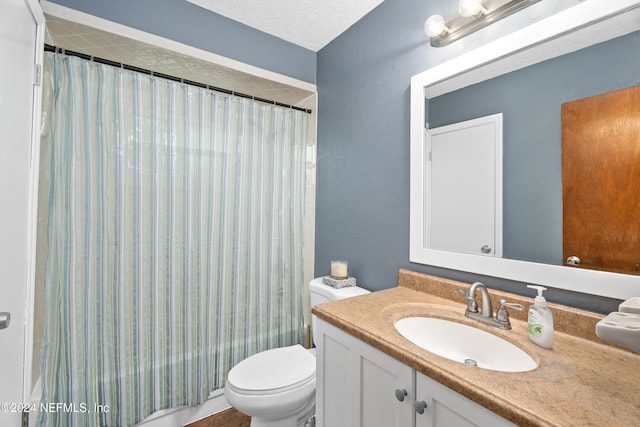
{"x":468,"y":8}
{"x":435,"y":26}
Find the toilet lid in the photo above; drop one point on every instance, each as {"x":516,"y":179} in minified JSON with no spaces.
{"x":273,"y":370}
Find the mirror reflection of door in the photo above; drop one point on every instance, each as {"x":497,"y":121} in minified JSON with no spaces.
{"x":601,"y":181}
{"x":463,"y":185}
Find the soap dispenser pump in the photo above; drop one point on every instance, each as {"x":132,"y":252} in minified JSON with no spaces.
{"x":540,"y":320}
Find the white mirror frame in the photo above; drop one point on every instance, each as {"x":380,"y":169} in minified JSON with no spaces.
{"x":580,"y":26}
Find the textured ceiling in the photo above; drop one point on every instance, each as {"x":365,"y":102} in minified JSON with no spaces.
{"x":308,"y":23}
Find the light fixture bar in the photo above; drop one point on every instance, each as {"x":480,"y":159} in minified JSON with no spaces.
{"x":459,"y":26}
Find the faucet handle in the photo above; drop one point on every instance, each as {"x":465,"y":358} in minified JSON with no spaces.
{"x":502,"y":315}
{"x":472,"y":305}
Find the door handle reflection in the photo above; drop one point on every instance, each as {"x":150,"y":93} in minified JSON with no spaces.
{"x":574,"y":260}
{"x":5,"y":318}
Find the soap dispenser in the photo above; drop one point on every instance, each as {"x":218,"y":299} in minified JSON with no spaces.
{"x":540,"y":320}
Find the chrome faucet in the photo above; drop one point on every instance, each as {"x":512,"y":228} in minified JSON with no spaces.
{"x":485,"y":315}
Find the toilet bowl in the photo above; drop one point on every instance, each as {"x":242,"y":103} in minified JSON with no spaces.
{"x":274,"y":387}
{"x":277,"y":387}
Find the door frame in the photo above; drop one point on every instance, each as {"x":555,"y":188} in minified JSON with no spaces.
{"x":32,"y":211}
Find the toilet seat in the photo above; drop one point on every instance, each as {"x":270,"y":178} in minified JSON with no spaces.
{"x":273,"y":371}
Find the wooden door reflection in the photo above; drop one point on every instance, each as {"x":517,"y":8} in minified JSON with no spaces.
{"x":601,"y":181}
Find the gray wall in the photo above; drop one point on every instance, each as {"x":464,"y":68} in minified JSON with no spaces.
{"x":531,"y":100}
{"x":190,"y":24}
{"x":362,"y":202}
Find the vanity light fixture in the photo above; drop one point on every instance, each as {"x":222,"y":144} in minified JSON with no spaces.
{"x":472,"y":15}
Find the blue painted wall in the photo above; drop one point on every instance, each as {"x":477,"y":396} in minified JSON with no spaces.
{"x":362,"y":201}
{"x":190,"y":24}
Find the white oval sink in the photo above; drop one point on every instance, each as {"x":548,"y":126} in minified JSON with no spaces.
{"x":465,"y":344}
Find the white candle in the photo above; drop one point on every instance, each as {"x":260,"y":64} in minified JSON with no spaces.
{"x":339,"y":269}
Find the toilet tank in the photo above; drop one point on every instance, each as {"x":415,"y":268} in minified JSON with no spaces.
{"x":321,"y":293}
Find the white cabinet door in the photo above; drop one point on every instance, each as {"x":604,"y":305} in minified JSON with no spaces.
{"x":386,"y":395}
{"x":358,"y":385}
{"x":336,"y":377}
{"x":21,"y":23}
{"x":446,"y":408}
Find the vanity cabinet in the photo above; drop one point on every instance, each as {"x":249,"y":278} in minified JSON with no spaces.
{"x":357,"y":385}
{"x":446,"y":408}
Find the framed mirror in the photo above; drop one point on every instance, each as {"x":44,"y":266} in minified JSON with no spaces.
{"x":570,"y":31}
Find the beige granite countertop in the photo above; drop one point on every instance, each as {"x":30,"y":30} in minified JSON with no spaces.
{"x":583,"y":381}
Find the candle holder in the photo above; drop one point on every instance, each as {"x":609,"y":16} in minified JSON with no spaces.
{"x":339,"y":269}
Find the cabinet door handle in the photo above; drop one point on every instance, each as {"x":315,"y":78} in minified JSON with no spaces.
{"x":420,"y":406}
{"x":400,"y":394}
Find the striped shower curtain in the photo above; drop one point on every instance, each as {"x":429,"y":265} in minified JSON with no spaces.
{"x":174,"y":230}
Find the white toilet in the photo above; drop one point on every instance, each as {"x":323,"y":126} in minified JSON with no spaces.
{"x":277,"y":387}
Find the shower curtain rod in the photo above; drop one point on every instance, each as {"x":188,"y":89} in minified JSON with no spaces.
{"x":54,"y":49}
